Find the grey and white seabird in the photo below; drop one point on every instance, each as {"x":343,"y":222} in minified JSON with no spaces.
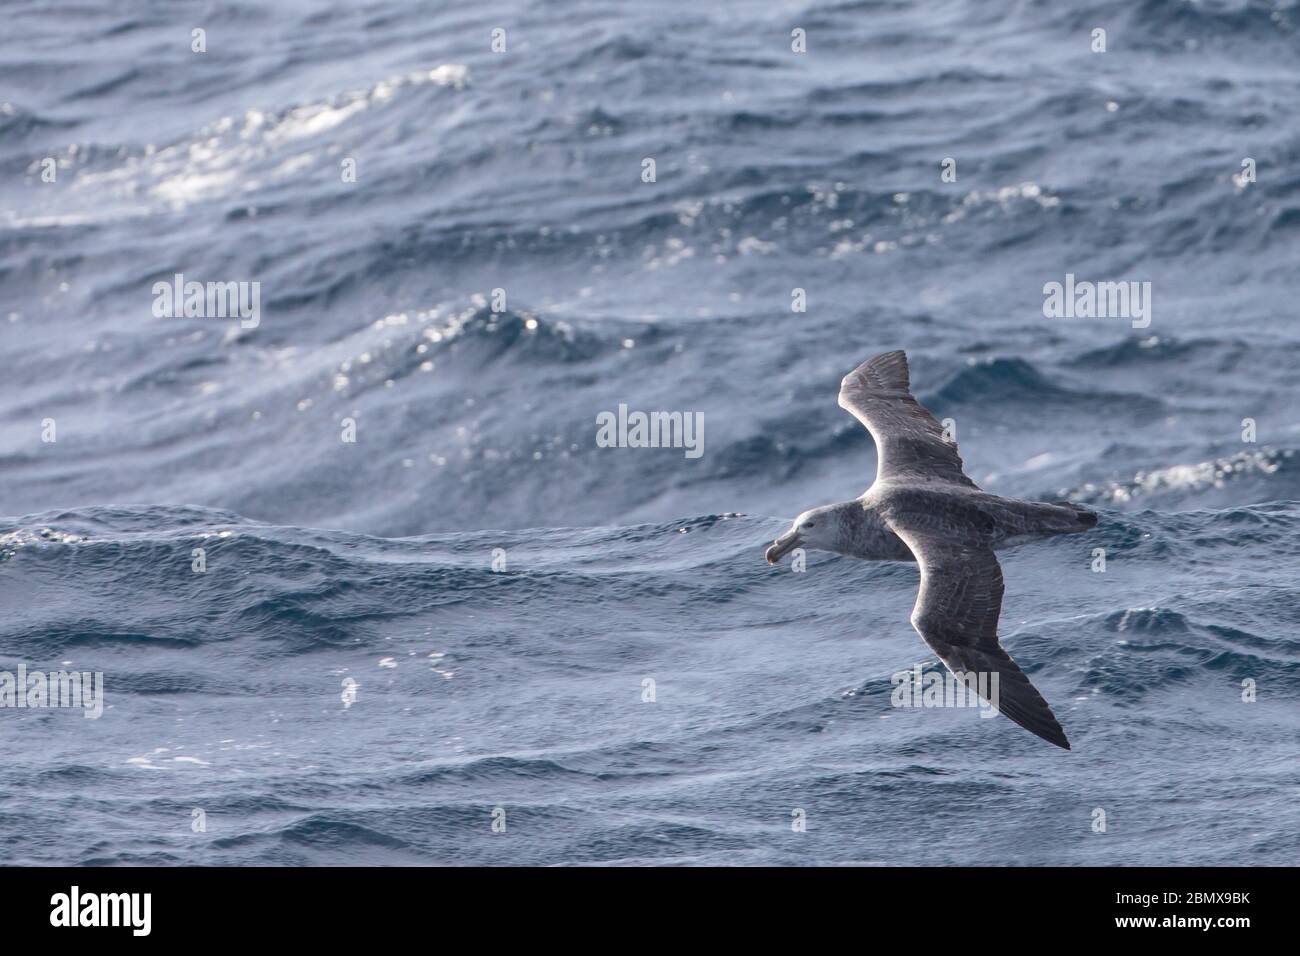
{"x":923,"y":508}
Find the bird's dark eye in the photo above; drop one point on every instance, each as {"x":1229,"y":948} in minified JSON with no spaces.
{"x":809,"y":524}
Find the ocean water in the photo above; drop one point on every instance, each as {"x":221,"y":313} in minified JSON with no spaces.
{"x":454,"y":620}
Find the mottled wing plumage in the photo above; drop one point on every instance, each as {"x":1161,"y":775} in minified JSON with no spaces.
{"x":956,"y":613}
{"x":910,"y":444}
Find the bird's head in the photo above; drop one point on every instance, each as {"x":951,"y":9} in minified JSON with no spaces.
{"x":817,"y":528}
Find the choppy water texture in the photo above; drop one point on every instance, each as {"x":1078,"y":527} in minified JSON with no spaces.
{"x":522,"y":688}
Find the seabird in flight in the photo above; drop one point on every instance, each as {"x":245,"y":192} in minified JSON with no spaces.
{"x":923,"y":508}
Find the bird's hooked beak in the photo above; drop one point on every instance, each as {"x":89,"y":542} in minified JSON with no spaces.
{"x":783,"y":546}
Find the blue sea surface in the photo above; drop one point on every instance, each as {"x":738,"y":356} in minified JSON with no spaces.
{"x":472,"y":635}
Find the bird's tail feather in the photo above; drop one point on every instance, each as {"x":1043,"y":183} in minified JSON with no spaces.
{"x":1061,"y":517}
{"x":1083,"y":518}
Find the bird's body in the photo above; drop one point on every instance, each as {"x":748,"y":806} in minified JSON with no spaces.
{"x":952,"y":510}
{"x":923,"y":508}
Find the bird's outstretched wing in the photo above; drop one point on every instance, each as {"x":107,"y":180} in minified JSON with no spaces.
{"x":910,"y":444}
{"x":957,"y":613}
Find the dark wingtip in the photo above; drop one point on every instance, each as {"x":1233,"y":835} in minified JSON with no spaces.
{"x":1053,"y":733}
{"x":1042,"y":723}
{"x":888,"y":371}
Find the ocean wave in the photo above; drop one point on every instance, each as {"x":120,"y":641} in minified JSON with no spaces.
{"x":1010,"y":381}
{"x":1268,"y":468}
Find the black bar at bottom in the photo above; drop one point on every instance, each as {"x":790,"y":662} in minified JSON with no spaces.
{"x":366,"y":905}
